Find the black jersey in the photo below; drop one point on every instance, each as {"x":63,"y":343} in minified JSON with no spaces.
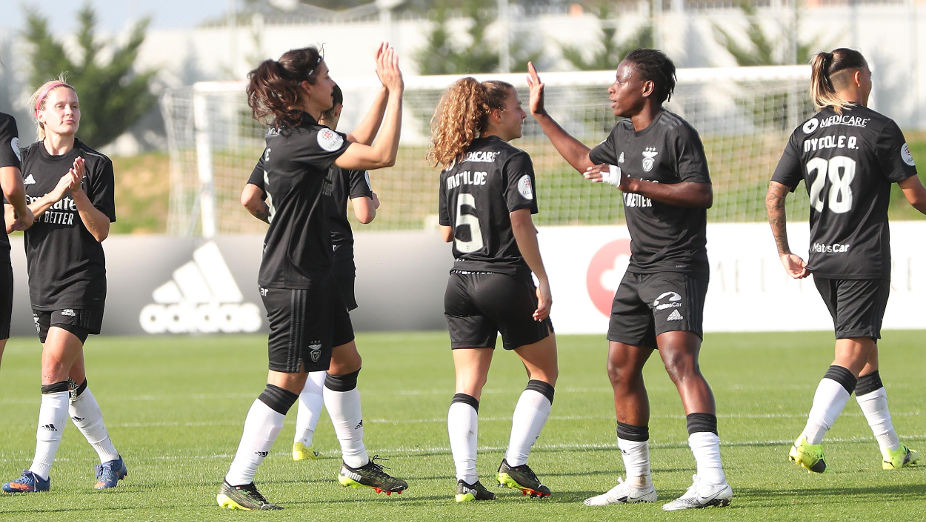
{"x":847,"y":162}
{"x":9,"y":157}
{"x":295,"y":164}
{"x":66,"y":265}
{"x":477,"y":194}
{"x":664,"y":237}
{"x":344,"y":184}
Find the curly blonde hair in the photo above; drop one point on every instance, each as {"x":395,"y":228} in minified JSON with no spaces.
{"x":462,"y":116}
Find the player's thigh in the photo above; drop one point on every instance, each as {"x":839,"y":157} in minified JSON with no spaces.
{"x":6,"y":296}
{"x":510,"y":301}
{"x":300,"y":329}
{"x":856,"y":305}
{"x":676,"y":300}
{"x":631,"y":321}
{"x":468,"y":326}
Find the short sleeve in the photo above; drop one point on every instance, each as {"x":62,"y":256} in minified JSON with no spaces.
{"x":443,"y":217}
{"x":894,"y":156}
{"x":102,"y":184}
{"x":605,"y":151}
{"x":789,"y":171}
{"x":692,"y":163}
{"x":10,"y":156}
{"x":320,"y":148}
{"x":520,"y":190}
{"x":257,"y":175}
{"x":360,"y":186}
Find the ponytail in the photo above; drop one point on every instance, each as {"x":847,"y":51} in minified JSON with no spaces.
{"x":462,"y":115}
{"x":273,"y":87}
{"x":824,"y":67}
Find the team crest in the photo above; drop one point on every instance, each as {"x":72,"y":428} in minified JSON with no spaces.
{"x":329,"y":140}
{"x":525,"y":187}
{"x":315,"y":351}
{"x":906,"y":155}
{"x":649,"y":158}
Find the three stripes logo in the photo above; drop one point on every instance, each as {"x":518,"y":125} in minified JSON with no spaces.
{"x":201,"y":297}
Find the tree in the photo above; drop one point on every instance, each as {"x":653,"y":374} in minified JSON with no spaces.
{"x":761,"y":50}
{"x":443,"y":55}
{"x":112,"y":96}
{"x":609,"y":51}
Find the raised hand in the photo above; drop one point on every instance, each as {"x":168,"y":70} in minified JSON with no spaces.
{"x":387,"y":68}
{"x":536,"y":90}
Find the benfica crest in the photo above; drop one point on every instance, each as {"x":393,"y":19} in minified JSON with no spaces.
{"x":649,"y":160}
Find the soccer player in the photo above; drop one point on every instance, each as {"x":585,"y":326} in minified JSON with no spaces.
{"x":345,"y":184}
{"x":291,"y":94}
{"x":486,"y":199}
{"x":14,"y":193}
{"x":848,"y":156}
{"x":655,"y":158}
{"x":67,"y":278}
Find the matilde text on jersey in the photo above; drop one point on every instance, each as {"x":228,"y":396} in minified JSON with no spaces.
{"x":56,"y":218}
{"x":466,"y":178}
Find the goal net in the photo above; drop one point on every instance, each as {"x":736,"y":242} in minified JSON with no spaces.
{"x":743,"y":114}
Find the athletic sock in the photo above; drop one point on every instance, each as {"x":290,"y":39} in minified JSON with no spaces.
{"x":86,"y":415}
{"x":831,"y":397}
{"x":530,"y":414}
{"x":463,"y":428}
{"x":705,"y":446}
{"x":309,"y":407}
{"x":342,"y":399}
{"x":872,"y":398}
{"x":53,"y":415}
{"x":261,"y":427}
{"x":633,"y":441}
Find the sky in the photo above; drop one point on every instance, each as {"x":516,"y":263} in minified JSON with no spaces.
{"x":115,"y":15}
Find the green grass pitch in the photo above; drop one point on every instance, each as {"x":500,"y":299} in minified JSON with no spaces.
{"x":175,"y":409}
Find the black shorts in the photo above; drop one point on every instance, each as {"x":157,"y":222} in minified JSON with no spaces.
{"x":6,"y":296}
{"x":856,"y":305}
{"x":79,"y":322}
{"x":479,"y":305}
{"x":345,"y":284}
{"x":300,"y":326}
{"x":646,"y":305}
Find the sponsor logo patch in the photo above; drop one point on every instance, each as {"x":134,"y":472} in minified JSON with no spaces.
{"x":906,"y":155}
{"x":810,"y":125}
{"x":525,"y":187}
{"x":329,"y":140}
{"x":14,"y":144}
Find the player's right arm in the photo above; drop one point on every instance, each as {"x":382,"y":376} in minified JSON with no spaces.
{"x":525,"y":235}
{"x":383,"y":152}
{"x":571,"y":149}
{"x":915,"y":193}
{"x":252,"y":198}
{"x":777,"y":219}
{"x":18,"y":216}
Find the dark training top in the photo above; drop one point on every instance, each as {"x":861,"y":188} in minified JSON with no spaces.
{"x":66,"y":265}
{"x":848,"y":162}
{"x":664,"y":237}
{"x":9,"y":157}
{"x":295,"y":166}
{"x":344,"y":184}
{"x":477,"y":193}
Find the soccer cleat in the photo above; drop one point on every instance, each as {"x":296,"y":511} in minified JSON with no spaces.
{"x":899,"y":458}
{"x":702,"y":496}
{"x":242,"y":497}
{"x":806,"y":455}
{"x":521,"y":477}
{"x":623,"y":493}
{"x":371,"y":475}
{"x":476,"y":491}
{"x":108,"y":474}
{"x":29,"y":482}
{"x":303,"y":452}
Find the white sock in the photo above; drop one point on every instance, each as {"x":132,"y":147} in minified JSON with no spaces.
{"x":705,"y":446}
{"x":309,"y":408}
{"x":463,"y":428}
{"x":874,"y":406}
{"x":828,"y":402}
{"x":636,"y":461}
{"x":261,"y":427}
{"x":53,"y":416}
{"x":86,"y":415}
{"x":530,"y":414}
{"x":347,"y":418}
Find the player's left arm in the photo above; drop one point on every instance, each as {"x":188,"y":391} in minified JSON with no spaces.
{"x":525,"y":235}
{"x":446,"y":233}
{"x":915,"y":192}
{"x":252,"y":198}
{"x":684,"y":194}
{"x":94,"y":219}
{"x":365,"y":208}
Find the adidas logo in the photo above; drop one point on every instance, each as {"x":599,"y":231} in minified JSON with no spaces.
{"x":674,"y":316}
{"x":49,"y":427}
{"x":202,"y":297}
{"x":29,"y":180}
